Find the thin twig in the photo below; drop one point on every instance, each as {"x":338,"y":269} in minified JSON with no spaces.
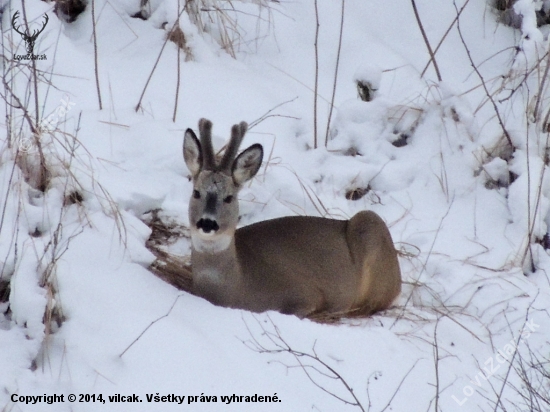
{"x":34,"y":131}
{"x":299,"y":82}
{"x":33,"y":71}
{"x":176,"y":98}
{"x":444,"y":37}
{"x":529,"y":219}
{"x":95,"y":57}
{"x":336,"y":71}
{"x":428,"y":256}
{"x":511,"y":362}
{"x":541,"y":89}
{"x":268,"y":114}
{"x":20,"y":105}
{"x":316,"y":87}
{"x":6,"y":204}
{"x":436,"y":360}
{"x":151,"y":324}
{"x":138,"y":106}
{"x":399,"y":386}
{"x":281,"y":346}
{"x":526,"y":75}
{"x":430,"y":51}
{"x":501,"y":122}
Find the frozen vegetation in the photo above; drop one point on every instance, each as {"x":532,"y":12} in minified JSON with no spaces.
{"x":433,"y":114}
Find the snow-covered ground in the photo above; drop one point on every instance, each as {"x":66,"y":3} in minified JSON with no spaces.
{"x":464,"y":190}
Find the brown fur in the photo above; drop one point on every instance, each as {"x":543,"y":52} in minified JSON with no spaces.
{"x":306,"y":266}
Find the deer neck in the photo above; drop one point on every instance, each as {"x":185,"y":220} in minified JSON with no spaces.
{"x":216,"y":271}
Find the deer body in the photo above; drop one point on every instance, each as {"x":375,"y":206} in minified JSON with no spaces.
{"x":296,"y":265}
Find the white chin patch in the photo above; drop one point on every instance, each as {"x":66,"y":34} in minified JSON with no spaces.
{"x":209,"y":242}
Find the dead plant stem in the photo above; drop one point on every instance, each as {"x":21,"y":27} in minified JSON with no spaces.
{"x":428,"y":256}
{"x":33,"y":70}
{"x":489,"y":96}
{"x":436,"y":361}
{"x":316,"y":87}
{"x":399,"y":386}
{"x":511,"y":362}
{"x":336,"y":71}
{"x":430,"y":51}
{"x":541,"y":89}
{"x":280,"y":345}
{"x":151,"y":324}
{"x":444,"y":37}
{"x":178,"y":75}
{"x":138,"y":106}
{"x":96,"y":57}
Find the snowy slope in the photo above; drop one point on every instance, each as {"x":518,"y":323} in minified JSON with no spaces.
{"x":468,"y":210}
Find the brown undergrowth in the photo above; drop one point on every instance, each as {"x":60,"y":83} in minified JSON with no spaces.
{"x":173,"y":269}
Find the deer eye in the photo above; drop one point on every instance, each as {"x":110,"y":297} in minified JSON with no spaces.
{"x":196,"y":194}
{"x":228,"y":199}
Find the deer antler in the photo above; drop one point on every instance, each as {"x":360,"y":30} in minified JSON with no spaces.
{"x":36,"y":33}
{"x":237,"y":133}
{"x":205,"y":132}
{"x":13,"y":23}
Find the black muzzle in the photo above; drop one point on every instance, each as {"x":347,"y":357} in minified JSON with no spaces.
{"x":207,"y":225}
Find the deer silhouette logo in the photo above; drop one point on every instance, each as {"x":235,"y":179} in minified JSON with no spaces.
{"x":27,"y":37}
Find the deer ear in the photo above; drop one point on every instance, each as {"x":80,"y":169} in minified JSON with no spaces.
{"x":247,"y":164}
{"x":192,"y":152}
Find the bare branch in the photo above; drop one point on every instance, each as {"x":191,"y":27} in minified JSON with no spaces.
{"x":335,"y":71}
{"x":321,"y":367}
{"x":95,"y":57}
{"x":444,"y":37}
{"x":316,"y":87}
{"x":489,"y":96}
{"x":430,"y":51}
{"x":151,"y":324}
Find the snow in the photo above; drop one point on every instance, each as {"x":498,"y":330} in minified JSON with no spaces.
{"x":469,"y":213}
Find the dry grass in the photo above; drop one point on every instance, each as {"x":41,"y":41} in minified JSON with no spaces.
{"x":220,"y":19}
{"x":336,"y":318}
{"x":177,"y":36}
{"x":173,"y":269}
{"x":48,"y":160}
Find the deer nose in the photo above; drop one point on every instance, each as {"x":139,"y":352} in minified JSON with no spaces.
{"x":207,"y":225}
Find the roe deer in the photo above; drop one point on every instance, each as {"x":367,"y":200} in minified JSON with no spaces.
{"x":298,"y":265}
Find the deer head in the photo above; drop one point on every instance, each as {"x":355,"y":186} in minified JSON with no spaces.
{"x":213,"y":209}
{"x":28,"y":38}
